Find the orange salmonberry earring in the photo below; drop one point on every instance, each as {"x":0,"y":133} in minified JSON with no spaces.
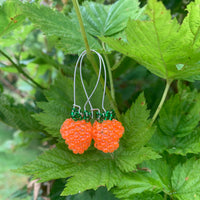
{"x":106,"y":130}
{"x":77,"y":130}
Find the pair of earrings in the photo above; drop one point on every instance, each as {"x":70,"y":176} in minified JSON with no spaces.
{"x":78,"y":131}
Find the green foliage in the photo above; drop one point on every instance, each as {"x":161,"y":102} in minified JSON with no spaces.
{"x":99,"y":168}
{"x":145,"y":196}
{"x":151,"y":42}
{"x":10,"y":17}
{"x":99,"y":20}
{"x":179,"y":182}
{"x":100,"y":193}
{"x":185,"y":182}
{"x":181,"y":134}
{"x":182,"y":114}
{"x":174,"y":145}
{"x":18,"y":116}
{"x":138,"y":130}
{"x":154,"y":161}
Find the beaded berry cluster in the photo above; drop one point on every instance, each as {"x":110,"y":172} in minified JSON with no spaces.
{"x":78,"y":131}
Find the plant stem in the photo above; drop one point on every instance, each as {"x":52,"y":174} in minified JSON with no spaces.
{"x":109,"y":73}
{"x":91,"y":57}
{"x":83,"y":33}
{"x":20,"y":70}
{"x":165,"y":196}
{"x":168,"y":83}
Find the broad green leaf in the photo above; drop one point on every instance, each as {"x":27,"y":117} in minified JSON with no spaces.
{"x":18,"y":35}
{"x":180,"y":114}
{"x":98,"y":20}
{"x":181,"y":181}
{"x":153,"y":176}
{"x":97,"y":167}
{"x":176,"y":145}
{"x":11,"y":17}
{"x":180,"y":135}
{"x":186,"y":180}
{"x":58,"y":27}
{"x":151,"y":42}
{"x":137,"y":134}
{"x":18,"y":116}
{"x":188,"y":144}
{"x":127,"y":160}
{"x":104,"y":20}
{"x":137,"y":125}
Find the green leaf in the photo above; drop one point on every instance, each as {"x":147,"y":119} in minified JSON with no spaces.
{"x":180,"y":135}
{"x":97,"y":167}
{"x":186,"y":180}
{"x":98,"y":20}
{"x":137,"y":125}
{"x":181,"y":181}
{"x":180,"y":114}
{"x":11,"y":17}
{"x":137,"y":133}
{"x":103,"y":20}
{"x":151,"y":42}
{"x":175,"y":145}
{"x":58,"y":27}
{"x":153,"y":176}
{"x":18,"y":116}
{"x":127,"y":160}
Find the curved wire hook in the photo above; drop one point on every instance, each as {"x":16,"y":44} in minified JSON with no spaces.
{"x":101,"y":61}
{"x":88,"y":98}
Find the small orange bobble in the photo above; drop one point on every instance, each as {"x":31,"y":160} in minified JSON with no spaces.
{"x":107,"y":134}
{"x":77,"y":135}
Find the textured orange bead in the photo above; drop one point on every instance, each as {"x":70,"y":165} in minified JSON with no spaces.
{"x":107,"y":134}
{"x":77,"y":135}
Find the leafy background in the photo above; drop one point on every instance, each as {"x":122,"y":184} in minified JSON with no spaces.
{"x":41,"y":41}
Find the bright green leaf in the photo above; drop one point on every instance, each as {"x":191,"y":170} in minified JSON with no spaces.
{"x":11,"y":17}
{"x":97,"y":167}
{"x":137,"y":125}
{"x":58,"y":27}
{"x":186,"y":180}
{"x":153,"y":176}
{"x":175,"y":145}
{"x":127,"y":160}
{"x":180,"y":114}
{"x":151,"y":42}
{"x":103,"y":20}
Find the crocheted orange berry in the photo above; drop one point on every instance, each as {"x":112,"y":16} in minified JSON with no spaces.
{"x":77,"y":134}
{"x":106,"y":135}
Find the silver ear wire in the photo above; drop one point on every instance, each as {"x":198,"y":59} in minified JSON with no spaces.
{"x":74,"y":105}
{"x":101,"y":61}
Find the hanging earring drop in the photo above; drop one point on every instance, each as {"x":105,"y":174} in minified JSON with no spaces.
{"x":77,"y":130}
{"x":106,"y":129}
